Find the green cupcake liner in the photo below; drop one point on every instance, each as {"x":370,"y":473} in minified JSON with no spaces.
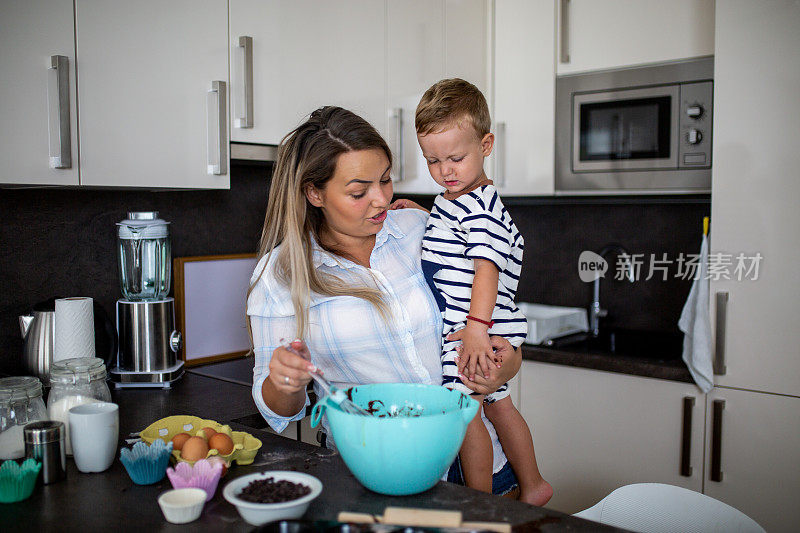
{"x":17,"y":482}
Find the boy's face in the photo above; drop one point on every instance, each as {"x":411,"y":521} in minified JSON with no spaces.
{"x":455,"y":156}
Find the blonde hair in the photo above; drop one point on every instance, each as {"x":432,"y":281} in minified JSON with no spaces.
{"x":450,"y":102}
{"x":307,"y":157}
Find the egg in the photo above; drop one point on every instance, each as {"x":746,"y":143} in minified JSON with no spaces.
{"x":194,"y":449}
{"x":210,"y":432}
{"x":222,"y":442}
{"x":179,"y":440}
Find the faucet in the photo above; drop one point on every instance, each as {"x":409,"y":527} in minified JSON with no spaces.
{"x":595,"y":311}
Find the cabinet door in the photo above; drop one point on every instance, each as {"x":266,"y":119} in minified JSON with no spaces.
{"x":601,"y":34}
{"x":148,"y":118}
{"x":36,"y":124}
{"x":596,"y":431}
{"x":759,"y":455}
{"x":524,"y":97}
{"x":307,"y":54}
{"x":755,"y":190}
{"x":428,"y":41}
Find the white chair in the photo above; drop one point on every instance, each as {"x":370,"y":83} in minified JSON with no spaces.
{"x":657,"y":508}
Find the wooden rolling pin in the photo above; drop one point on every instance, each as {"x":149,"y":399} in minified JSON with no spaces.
{"x":406,"y":516}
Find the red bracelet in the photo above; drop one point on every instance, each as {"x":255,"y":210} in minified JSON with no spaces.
{"x":490,"y":323}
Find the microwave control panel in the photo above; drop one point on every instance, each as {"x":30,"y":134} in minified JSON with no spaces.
{"x":696,"y":118}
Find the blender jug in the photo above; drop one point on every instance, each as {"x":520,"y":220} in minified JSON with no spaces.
{"x":145,"y":256}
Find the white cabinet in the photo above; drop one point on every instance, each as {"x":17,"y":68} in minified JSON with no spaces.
{"x":601,"y":34}
{"x":596,"y":431}
{"x":148,"y":115}
{"x":754,"y":193}
{"x":524,"y":97}
{"x":428,"y":41}
{"x":36,"y":123}
{"x":758,"y":456}
{"x":307,"y":54}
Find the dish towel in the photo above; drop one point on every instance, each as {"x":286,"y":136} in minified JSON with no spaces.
{"x":695,"y":323}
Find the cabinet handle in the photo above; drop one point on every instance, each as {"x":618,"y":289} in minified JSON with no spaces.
{"x":500,"y":163}
{"x":565,"y":31}
{"x":60,"y":150}
{"x":686,"y":444}
{"x":217,"y":128}
{"x":719,"y":348}
{"x":716,"y":440}
{"x":397,"y":114}
{"x":244,"y":102}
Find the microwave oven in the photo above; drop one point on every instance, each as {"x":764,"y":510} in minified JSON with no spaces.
{"x":638,"y":130}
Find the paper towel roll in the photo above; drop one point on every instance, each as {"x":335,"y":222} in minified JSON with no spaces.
{"x":74,"y":328}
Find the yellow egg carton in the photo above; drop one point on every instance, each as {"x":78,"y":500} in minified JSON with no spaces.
{"x":245,"y":446}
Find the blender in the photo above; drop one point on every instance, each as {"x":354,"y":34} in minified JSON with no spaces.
{"x":148,"y":340}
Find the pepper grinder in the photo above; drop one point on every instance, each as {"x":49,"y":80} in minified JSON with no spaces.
{"x":45,"y":442}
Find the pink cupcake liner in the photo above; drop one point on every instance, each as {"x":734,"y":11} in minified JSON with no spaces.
{"x":203,"y":475}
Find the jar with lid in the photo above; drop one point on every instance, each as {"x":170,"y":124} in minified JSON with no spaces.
{"x":20,"y":403}
{"x":75,"y":382}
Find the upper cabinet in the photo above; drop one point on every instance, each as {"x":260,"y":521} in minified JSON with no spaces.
{"x":290,"y":57}
{"x":524,"y":97}
{"x":602,"y":34}
{"x":152,"y":93}
{"x":38,"y":117}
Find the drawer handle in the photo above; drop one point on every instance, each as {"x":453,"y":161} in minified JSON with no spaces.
{"x":686,"y":444}
{"x":564,"y":31}
{"x":719,"y":348}
{"x":500,"y":165}
{"x":716,"y":441}
{"x":397,"y":115}
{"x":217,"y":129}
{"x":244,"y":100}
{"x":60,"y":150}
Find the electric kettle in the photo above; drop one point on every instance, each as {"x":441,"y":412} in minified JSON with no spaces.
{"x":38,"y":331}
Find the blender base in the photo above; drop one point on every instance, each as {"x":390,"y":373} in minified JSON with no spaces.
{"x":139,"y":379}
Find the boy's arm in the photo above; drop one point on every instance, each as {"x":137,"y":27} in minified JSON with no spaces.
{"x":477,"y":350}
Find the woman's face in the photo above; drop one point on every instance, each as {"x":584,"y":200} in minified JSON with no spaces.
{"x":355,"y":199}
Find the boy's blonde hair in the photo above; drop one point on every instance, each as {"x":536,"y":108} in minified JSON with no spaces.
{"x":449,"y":103}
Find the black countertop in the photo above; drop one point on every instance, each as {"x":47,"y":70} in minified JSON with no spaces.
{"x":110,"y":500}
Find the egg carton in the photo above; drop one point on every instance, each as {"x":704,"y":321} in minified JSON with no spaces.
{"x":245,"y":446}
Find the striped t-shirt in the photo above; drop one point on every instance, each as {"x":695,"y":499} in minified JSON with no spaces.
{"x":475,"y":225}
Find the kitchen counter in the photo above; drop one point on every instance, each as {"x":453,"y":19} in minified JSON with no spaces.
{"x":110,"y":500}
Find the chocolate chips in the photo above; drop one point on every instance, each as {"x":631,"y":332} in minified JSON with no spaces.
{"x":270,"y":491}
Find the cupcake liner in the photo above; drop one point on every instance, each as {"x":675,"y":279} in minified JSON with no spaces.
{"x":146,"y":464}
{"x":203,"y":475}
{"x":17,"y":482}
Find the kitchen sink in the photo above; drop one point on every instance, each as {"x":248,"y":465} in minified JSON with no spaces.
{"x":640,"y":344}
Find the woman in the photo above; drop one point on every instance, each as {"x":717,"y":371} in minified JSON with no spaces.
{"x":341,"y":269}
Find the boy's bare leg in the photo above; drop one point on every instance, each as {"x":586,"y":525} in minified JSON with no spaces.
{"x":515,"y":437}
{"x":476,"y":454}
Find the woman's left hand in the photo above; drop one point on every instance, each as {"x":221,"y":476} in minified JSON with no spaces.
{"x":511,"y":361}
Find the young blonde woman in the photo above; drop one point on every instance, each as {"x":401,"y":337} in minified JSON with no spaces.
{"x":339,"y":268}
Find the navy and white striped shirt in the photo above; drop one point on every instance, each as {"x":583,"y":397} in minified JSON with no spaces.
{"x":475,"y":225}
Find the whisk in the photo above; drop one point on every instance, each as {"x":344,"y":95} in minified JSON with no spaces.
{"x":338,"y":396}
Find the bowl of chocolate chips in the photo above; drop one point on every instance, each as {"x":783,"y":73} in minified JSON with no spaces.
{"x":273,"y":495}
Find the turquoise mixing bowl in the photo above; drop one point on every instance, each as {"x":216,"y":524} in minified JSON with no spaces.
{"x":410,"y":441}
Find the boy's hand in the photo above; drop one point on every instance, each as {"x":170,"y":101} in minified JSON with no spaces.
{"x":476,"y":350}
{"x":406,"y":204}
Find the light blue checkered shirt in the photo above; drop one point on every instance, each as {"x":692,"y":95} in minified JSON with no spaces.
{"x":346,"y":336}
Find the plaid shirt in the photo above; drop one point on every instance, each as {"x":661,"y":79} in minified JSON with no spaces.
{"x":346,"y":336}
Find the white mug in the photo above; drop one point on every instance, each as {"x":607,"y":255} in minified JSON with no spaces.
{"x":94,"y":433}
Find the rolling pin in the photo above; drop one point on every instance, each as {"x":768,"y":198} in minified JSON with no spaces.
{"x":406,"y":516}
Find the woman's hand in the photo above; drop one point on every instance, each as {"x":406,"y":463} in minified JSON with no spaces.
{"x":288,"y":369}
{"x":406,"y":204}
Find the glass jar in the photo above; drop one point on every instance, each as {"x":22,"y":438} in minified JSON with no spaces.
{"x":75,"y":382}
{"x":144,"y":256}
{"x":20,"y":403}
